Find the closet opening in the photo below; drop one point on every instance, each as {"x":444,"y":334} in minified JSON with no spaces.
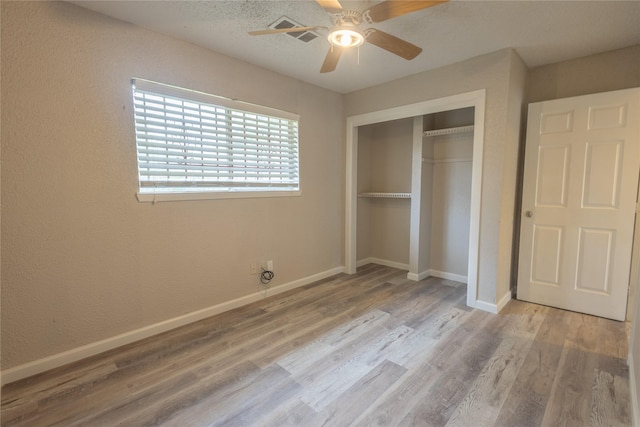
{"x":414,"y":189}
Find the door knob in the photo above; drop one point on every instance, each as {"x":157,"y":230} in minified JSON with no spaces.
{"x":528,"y":214}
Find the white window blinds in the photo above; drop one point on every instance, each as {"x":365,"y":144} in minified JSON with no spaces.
{"x":188,"y":141}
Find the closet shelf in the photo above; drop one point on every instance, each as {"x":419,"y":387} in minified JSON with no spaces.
{"x":386,"y":195}
{"x":448,"y":131}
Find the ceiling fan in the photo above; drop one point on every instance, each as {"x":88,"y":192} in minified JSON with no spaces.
{"x":346,"y":33}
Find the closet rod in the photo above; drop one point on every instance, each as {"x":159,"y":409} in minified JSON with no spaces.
{"x":386,"y":195}
{"x":448,"y":131}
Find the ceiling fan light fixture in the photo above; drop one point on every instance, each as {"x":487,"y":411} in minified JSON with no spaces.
{"x":345,"y":36}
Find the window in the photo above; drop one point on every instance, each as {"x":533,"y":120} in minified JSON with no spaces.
{"x":193,"y":145}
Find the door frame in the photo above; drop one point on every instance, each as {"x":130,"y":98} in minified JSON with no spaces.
{"x":474,"y":99}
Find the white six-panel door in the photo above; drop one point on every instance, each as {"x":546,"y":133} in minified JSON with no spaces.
{"x":579,"y":201}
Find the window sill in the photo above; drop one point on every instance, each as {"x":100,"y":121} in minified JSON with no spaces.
{"x":176,"y":197}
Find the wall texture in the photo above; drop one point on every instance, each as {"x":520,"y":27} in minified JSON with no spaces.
{"x":451,"y":204}
{"x":451,"y":192}
{"x":613,"y":70}
{"x":384,"y":165}
{"x":82,"y":260}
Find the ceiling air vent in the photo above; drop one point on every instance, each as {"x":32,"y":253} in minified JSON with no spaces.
{"x":303,"y":36}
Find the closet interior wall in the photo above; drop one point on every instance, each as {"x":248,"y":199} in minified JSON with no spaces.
{"x":384,"y":166}
{"x":452,"y":156}
{"x":384,"y":181}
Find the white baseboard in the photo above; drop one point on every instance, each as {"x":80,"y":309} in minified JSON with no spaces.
{"x":54,"y":361}
{"x":413,"y":276}
{"x":417,"y":277}
{"x":633,"y":392}
{"x":435,"y":273}
{"x":386,"y":263}
{"x":503,"y":301}
{"x":364,"y":261}
{"x":448,"y":276}
{"x":491,"y":307}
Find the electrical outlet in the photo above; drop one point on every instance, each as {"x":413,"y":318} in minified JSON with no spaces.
{"x":270,"y":265}
{"x":253,"y":268}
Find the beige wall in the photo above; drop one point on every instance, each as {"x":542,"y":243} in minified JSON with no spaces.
{"x":384,"y":165}
{"x":494,"y":72}
{"x":613,"y":70}
{"x":82,"y":260}
{"x":451,"y":204}
{"x":451,"y":192}
{"x":514,"y":125}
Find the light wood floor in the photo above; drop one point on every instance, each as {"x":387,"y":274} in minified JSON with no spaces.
{"x":365,"y":350}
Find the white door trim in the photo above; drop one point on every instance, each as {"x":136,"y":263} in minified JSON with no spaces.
{"x":474,"y":99}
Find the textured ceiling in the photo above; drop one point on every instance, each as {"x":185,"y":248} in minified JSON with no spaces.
{"x":542,"y":32}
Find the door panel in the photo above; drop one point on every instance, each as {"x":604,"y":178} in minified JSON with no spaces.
{"x":556,"y":122}
{"x":607,"y":117}
{"x":579,"y":200}
{"x":553,"y":175}
{"x":602,"y":173}
{"x":595,"y":259}
{"x":546,"y":259}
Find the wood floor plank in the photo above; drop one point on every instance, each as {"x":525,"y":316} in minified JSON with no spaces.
{"x":264,"y":394}
{"x":291,"y":413}
{"x":440,"y":399}
{"x":611,"y":394}
{"x":570,"y":400}
{"x":205,"y":401}
{"x":608,"y":398}
{"x":117,"y":412}
{"x":482,"y":404}
{"x":345,"y":362}
{"x":347,"y":409}
{"x":367,"y":349}
{"x":422,"y":343}
{"x":301,"y":361}
{"x":525,"y":405}
{"x":328,"y":290}
{"x":428,"y":382}
{"x":26,"y":400}
{"x":331,"y":379}
{"x":408,"y":303}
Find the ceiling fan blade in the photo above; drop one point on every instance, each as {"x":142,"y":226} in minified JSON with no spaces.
{"x":284,"y":30}
{"x":331,"y":6}
{"x":393,"y":44}
{"x":394,"y":8}
{"x":331,"y":60}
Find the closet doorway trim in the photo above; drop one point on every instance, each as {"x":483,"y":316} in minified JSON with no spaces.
{"x":474,"y":99}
